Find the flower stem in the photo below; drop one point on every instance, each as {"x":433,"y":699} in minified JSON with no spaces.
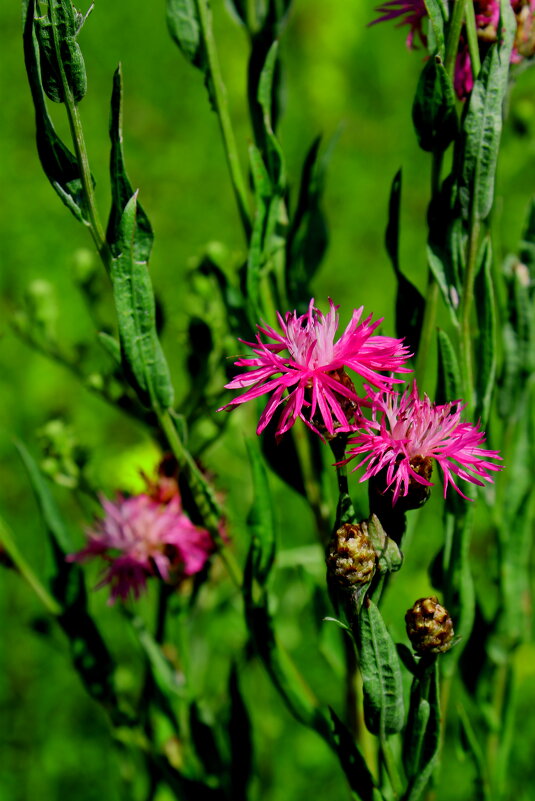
{"x":471,"y":34}
{"x":219,"y":94}
{"x":202,"y":493}
{"x":454,"y":34}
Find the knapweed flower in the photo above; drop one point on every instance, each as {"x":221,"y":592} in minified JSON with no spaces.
{"x":304,"y":368}
{"x":411,"y":12}
{"x":406,"y":433}
{"x":140,"y":537}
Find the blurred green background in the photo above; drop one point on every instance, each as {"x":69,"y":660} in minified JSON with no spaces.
{"x":339,"y":78}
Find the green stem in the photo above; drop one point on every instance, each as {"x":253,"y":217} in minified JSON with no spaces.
{"x":203,"y":495}
{"x":7,"y":542}
{"x":219,"y":94}
{"x":454,"y":34}
{"x":93,"y":221}
{"x":471,"y":33}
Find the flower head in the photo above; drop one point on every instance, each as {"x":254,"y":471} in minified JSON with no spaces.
{"x":412,"y":13}
{"x":140,"y":537}
{"x":307,"y":362}
{"x":406,"y":432}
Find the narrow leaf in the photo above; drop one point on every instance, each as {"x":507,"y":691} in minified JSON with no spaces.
{"x":430,"y":742}
{"x":260,"y":518}
{"x":134,"y":304}
{"x":486,"y":342}
{"x":449,"y":386}
{"x":121,"y":188}
{"x":381,"y":674}
{"x":434,"y":113}
{"x":241,"y":740}
{"x":62,"y":62}
{"x":184,"y":26}
{"x":481,"y":131}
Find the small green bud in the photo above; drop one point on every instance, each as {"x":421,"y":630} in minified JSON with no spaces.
{"x":351,"y":557}
{"x":429,"y":627}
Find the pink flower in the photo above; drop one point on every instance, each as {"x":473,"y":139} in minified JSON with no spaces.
{"x":306,"y":362}
{"x":140,"y":537}
{"x":410,"y":432}
{"x":413,"y":11}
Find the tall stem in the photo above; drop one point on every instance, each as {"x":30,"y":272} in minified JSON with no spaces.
{"x":221,"y":105}
{"x":467,"y":300}
{"x":454,"y":34}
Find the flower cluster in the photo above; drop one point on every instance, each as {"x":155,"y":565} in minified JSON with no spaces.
{"x":487,"y":16}
{"x":147,"y":535}
{"x":303,"y":370}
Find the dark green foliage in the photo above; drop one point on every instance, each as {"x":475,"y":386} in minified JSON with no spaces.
{"x":62,"y":63}
{"x":434,"y":113}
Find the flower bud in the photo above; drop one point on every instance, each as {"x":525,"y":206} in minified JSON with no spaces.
{"x":429,"y":627}
{"x":351,"y":557}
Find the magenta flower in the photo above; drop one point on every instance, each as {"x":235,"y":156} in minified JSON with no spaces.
{"x":405,"y":432}
{"x":412,"y":13}
{"x":308,"y":364}
{"x":139,"y":538}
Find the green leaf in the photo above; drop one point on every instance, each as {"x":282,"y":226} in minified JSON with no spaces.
{"x":185,"y":28}
{"x":449,"y":386}
{"x":59,"y":164}
{"x":381,"y":674}
{"x":482,"y":126}
{"x":62,"y":63}
{"x":273,"y":150}
{"x":389,"y":556}
{"x":437,"y":261}
{"x":410,"y":304}
{"x":434,"y":113}
{"x":486,"y":341}
{"x":260,"y":519}
{"x":121,"y":188}
{"x":438,"y":13}
{"x":471,"y":745}
{"x":134,"y":303}
{"x":426,"y":734}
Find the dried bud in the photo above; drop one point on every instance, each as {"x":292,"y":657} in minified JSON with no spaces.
{"x":351,"y":557}
{"x":429,"y":627}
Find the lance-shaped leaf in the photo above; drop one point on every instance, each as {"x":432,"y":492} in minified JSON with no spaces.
{"x":352,"y":762}
{"x":433,"y":112}
{"x":486,"y":341}
{"x":134,"y":303}
{"x":449,"y":385}
{"x":62,"y":62}
{"x":422,"y":736}
{"x":482,"y":126}
{"x":410,"y":304}
{"x":90,"y":655}
{"x":273,"y":151}
{"x":185,"y":28}
{"x":381,"y":673}
{"x":121,"y":188}
{"x":59,"y":164}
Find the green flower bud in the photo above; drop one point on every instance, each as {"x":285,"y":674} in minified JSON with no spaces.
{"x":351,"y":557}
{"x":429,"y":627}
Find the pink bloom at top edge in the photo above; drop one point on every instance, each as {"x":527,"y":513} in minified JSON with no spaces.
{"x":413,"y":12}
{"x":139,"y":537}
{"x":405,"y":428}
{"x":306,"y":362}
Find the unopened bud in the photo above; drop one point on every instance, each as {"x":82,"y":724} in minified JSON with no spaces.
{"x":351,"y":557}
{"x":429,"y":627}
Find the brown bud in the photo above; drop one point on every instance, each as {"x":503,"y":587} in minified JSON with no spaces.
{"x":351,"y":557}
{"x":429,"y":627}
